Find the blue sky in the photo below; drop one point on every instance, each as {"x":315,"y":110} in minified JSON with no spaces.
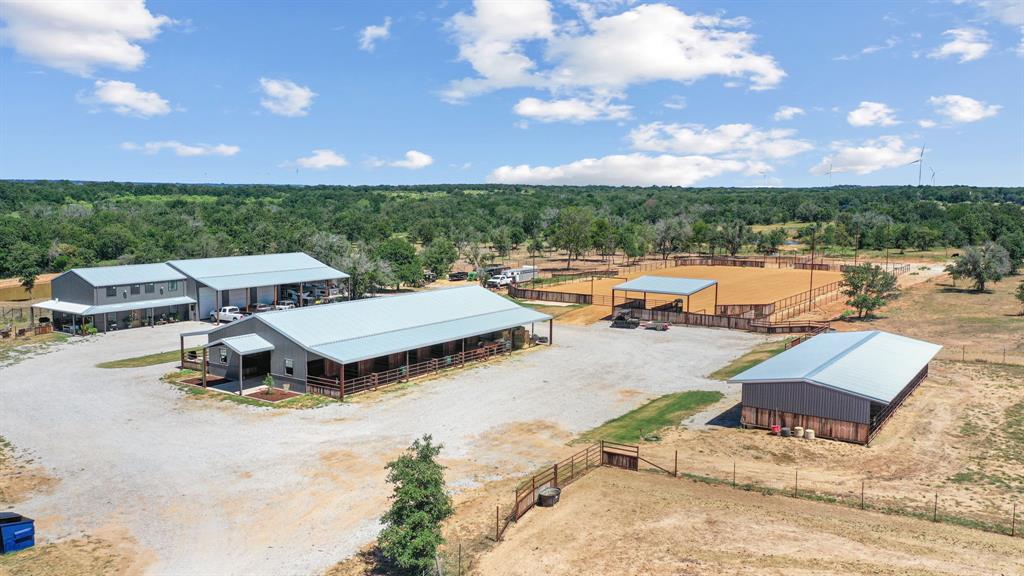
{"x":532,"y":92}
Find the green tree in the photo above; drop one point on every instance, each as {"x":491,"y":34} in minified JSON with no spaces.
{"x":1014,"y":244}
{"x":419,"y":504}
{"x":733,"y":236}
{"x":501,"y":240}
{"x":27,"y":279}
{"x":439,"y":256}
{"x":981,"y":264}
{"x":868,"y":287}
{"x":768,"y":242}
{"x":1019,"y":294}
{"x":402,"y":258}
{"x":572,"y":232}
{"x":923,"y":237}
{"x":602,"y":236}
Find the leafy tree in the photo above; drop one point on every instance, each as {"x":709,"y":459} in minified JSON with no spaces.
{"x":602,"y":236}
{"x":419,"y":504}
{"x":402,"y":259}
{"x":923,"y":237}
{"x":733,"y":236}
{"x":768,"y":242}
{"x":439,"y":256}
{"x":1019,"y":294}
{"x":501,"y":240}
{"x":366,"y":271}
{"x":572,"y":232}
{"x":27,"y":280}
{"x":1014,"y":244}
{"x":868,"y":287}
{"x":478,"y":257}
{"x":672,"y":235}
{"x":982,"y":264}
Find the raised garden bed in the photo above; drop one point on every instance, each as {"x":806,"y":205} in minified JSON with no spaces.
{"x":276,"y":395}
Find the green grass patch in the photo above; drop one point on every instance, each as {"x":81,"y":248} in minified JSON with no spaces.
{"x":659,"y":413}
{"x":147,"y":360}
{"x":758,"y":354}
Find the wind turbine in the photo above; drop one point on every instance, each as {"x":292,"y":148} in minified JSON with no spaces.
{"x":829,"y":172}
{"x":920,"y":164}
{"x":933,"y":175}
{"x":765,"y":175}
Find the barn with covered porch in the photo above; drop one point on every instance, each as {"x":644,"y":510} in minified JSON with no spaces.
{"x":349,"y":347}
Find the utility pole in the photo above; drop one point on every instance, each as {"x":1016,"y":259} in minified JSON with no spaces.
{"x":814,"y":233}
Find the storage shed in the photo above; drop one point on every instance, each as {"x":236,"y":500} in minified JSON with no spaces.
{"x":843,"y":385}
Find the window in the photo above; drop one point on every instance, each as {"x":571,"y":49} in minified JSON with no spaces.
{"x":150,"y":288}
{"x":111,"y":291}
{"x":289,"y":366}
{"x":135,"y":289}
{"x":172,"y":286}
{"x":223,"y":355}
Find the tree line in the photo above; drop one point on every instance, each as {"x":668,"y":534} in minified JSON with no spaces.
{"x":388,"y":235}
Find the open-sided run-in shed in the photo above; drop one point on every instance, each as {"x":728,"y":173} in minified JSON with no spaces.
{"x":685,"y":287}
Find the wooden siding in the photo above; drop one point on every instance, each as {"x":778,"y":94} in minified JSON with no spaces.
{"x":823,"y":427}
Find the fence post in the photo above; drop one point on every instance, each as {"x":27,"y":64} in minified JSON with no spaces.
{"x":935,"y":508}
{"x":963,"y":355}
{"x":675,"y":466}
{"x":497,"y":522}
{"x":734,"y":473}
{"x":796,"y":482}
{"x":1013,"y":522}
{"x":862,"y":494}
{"x":556,"y":475}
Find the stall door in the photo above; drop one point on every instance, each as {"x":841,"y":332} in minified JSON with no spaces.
{"x":265,"y":294}
{"x":207,"y":301}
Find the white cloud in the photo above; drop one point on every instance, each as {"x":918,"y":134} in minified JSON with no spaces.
{"x":871,"y":156}
{"x":571,"y":110}
{"x":889,"y":44}
{"x":967,"y":43}
{"x":727,"y":140}
{"x":788,"y":113}
{"x":872,"y":114}
{"x":286,"y":98}
{"x":125,"y":98}
{"x":927,"y":123}
{"x":414,"y":160}
{"x":675,"y":103}
{"x":963,"y":109}
{"x":321,"y":159}
{"x":663,"y":43}
{"x":77,"y":36}
{"x":183,"y":149}
{"x":1010,"y":12}
{"x":623,"y":170}
{"x":371,"y":34}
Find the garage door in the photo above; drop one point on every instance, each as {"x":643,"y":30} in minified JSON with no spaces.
{"x":236,"y":298}
{"x":207,"y":301}
{"x":265,"y":294}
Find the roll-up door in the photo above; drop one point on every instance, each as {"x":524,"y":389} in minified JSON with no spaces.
{"x":207,"y":301}
{"x":236,"y":298}
{"x":265,"y":294}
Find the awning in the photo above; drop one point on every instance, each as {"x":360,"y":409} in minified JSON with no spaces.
{"x":67,"y":307}
{"x":666,"y":285}
{"x":244,"y":344}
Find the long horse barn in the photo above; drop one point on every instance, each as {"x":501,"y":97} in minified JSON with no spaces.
{"x":348,"y":347}
{"x":843,"y":385}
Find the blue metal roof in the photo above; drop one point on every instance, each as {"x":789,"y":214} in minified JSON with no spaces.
{"x":244,"y":344}
{"x":666,"y":285}
{"x":875,"y":365}
{"x":232,"y":272}
{"x":101,"y":276}
{"x":363,"y":329}
{"x":86,"y":310}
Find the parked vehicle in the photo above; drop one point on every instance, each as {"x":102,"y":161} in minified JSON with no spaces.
{"x":623,"y":321}
{"x":429,"y":277}
{"x":227,"y":314}
{"x":257,"y":308}
{"x":458,"y":276}
{"x":495,"y":269}
{"x":512,"y":276}
{"x":284,"y":305}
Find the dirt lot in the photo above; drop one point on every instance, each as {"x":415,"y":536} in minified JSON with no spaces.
{"x":178,"y":484}
{"x":735,"y":285}
{"x":620,"y":522}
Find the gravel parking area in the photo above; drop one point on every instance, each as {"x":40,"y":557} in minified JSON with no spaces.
{"x":219,"y":488}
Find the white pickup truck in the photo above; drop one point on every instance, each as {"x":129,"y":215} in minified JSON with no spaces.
{"x":227,"y":314}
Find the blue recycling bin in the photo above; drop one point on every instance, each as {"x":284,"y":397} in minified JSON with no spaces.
{"x":16,"y":532}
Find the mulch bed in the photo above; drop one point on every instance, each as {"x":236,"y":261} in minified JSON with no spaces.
{"x":198,"y":380}
{"x":275,"y":396}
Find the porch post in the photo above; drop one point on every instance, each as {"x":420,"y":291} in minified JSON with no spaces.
{"x":299,"y":297}
{"x":551,"y":331}
{"x":203,"y":368}
{"x":341,"y":383}
{"x":216,"y":313}
{"x":716,"y":298}
{"x":181,"y":340}
{"x":241,"y":374}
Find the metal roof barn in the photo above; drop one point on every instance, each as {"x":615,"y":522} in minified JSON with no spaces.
{"x":666,"y":285}
{"x":843,"y":385}
{"x":233,"y":272}
{"x":101,"y":276}
{"x":362,"y":329}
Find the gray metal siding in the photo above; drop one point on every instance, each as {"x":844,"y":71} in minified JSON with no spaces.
{"x":71,"y":287}
{"x":804,"y":398}
{"x":283,"y":347}
{"x":123,"y":292}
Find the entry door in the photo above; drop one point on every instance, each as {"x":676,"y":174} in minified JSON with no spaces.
{"x":207,"y":301}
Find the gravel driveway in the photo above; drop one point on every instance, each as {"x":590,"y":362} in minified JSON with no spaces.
{"x":221,"y":488}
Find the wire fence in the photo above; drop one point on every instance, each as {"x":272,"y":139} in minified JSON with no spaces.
{"x":984,"y":354}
